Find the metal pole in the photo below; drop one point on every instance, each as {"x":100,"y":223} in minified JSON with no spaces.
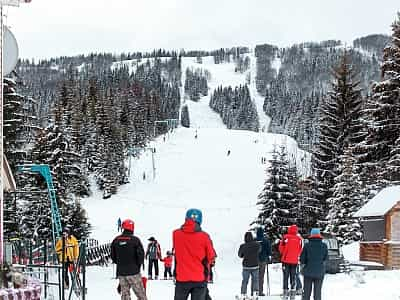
{"x":153,"y":162}
{"x":63,"y":267}
{"x":45,"y":269}
{"x":1,"y":138}
{"x":129,"y":168}
{"x":83,"y":261}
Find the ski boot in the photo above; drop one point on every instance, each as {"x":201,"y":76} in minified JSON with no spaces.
{"x":299,"y":292}
{"x":292,"y":294}
{"x":285,"y":294}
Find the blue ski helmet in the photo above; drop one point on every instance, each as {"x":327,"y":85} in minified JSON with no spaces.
{"x":195,"y":214}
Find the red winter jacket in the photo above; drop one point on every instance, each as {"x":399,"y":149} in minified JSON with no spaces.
{"x":290,"y":246}
{"x":193,"y":253}
{"x":167,"y":261}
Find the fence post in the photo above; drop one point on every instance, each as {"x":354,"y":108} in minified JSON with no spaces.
{"x":30,"y":253}
{"x":83,"y":261}
{"x":45,"y":269}
{"x":63,"y":267}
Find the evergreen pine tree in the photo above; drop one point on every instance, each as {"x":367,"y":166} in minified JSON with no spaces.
{"x":185,"y":120}
{"x":277,"y":201}
{"x":339,"y":128}
{"x":345,"y":201}
{"x":383,"y":130}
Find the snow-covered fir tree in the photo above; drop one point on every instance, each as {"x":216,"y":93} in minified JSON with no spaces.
{"x":311,"y":212}
{"x":277,"y":201}
{"x":54,"y":149}
{"x":185,"y":119}
{"x":345,"y":201}
{"x":20,"y":127}
{"x":380,"y":146}
{"x":235,"y":107}
{"x":339,"y":128}
{"x":196,"y":84}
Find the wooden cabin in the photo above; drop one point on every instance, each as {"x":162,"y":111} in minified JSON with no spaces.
{"x":380,"y":219}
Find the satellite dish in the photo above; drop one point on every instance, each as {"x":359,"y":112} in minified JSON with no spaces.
{"x":10,"y":54}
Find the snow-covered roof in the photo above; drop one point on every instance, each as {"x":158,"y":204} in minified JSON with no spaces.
{"x":381,"y":203}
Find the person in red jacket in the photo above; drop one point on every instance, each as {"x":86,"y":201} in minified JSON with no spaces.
{"x":290,"y":250}
{"x":194,"y":253}
{"x":167,"y":265}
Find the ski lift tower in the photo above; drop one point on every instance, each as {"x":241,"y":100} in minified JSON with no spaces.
{"x":5,"y":65}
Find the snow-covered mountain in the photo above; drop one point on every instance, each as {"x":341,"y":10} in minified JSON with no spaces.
{"x":197,"y":172}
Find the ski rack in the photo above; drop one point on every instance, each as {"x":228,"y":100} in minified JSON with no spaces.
{"x":44,"y":170}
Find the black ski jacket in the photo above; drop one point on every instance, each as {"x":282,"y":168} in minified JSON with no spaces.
{"x":128,"y":253}
{"x":250,"y":251}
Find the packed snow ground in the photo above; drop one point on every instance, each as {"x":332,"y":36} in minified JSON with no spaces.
{"x":198,"y":173}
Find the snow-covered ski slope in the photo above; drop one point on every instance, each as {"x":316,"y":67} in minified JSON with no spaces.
{"x":201,"y":115}
{"x":198,"y":173}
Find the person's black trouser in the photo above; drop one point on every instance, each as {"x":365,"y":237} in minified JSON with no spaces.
{"x":197,"y":290}
{"x":308,"y":283}
{"x":289,"y":270}
{"x":151,"y":262}
{"x":261,"y":277}
{"x":66,"y":272}
{"x":167,"y":271}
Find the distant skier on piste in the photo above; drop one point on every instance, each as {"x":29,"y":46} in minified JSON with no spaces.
{"x":128,"y":254}
{"x":290,"y":249}
{"x":119,"y":223}
{"x":194,"y":253}
{"x":153,"y":254}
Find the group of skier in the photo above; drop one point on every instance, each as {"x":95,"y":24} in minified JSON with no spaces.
{"x":311,"y":257}
{"x":194,"y":256}
{"x":192,"y":249}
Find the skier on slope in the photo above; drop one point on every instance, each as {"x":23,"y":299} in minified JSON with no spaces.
{"x":264,"y":258}
{"x":194,"y":252}
{"x":290,"y":249}
{"x":250,"y":252}
{"x":153,"y":254}
{"x":313,"y":258}
{"x":119,"y":223}
{"x":128,"y":253}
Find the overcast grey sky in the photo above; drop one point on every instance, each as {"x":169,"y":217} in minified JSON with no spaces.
{"x":49,"y":28}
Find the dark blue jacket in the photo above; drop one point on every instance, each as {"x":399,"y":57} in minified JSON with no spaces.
{"x":266,"y":251}
{"x":313,"y":257}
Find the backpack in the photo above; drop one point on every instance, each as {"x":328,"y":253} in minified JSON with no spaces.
{"x":153,"y":251}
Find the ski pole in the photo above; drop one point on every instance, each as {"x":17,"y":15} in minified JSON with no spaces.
{"x":268,"y":286}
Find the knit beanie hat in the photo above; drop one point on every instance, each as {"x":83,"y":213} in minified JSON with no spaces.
{"x":315,"y":231}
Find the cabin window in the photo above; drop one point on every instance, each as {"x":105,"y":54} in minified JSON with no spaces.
{"x":373,"y":229}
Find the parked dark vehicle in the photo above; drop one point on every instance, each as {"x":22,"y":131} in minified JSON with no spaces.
{"x":335,"y":255}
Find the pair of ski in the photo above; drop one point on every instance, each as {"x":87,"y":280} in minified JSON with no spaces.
{"x":269,"y":297}
{"x":76,"y":286}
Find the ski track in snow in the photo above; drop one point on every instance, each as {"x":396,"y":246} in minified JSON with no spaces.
{"x":198,"y":173}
